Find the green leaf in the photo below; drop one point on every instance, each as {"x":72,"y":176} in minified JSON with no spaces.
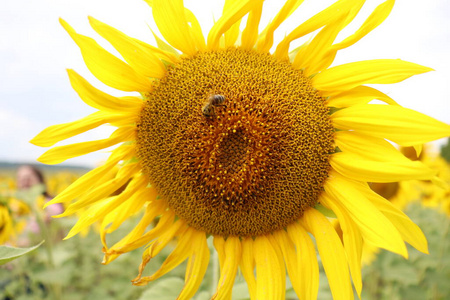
{"x":403,"y":273}
{"x":10,"y":253}
{"x":164,"y":289}
{"x":414,"y":292}
{"x":60,"y":276}
{"x":445,"y":150}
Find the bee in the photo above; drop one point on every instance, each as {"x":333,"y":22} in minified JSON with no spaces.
{"x":213,"y":101}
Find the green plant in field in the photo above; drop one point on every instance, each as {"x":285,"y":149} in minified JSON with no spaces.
{"x":445,"y":151}
{"x":422,"y":277}
{"x":8,"y":253}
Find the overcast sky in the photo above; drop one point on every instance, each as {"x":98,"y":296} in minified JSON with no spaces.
{"x":35,"y":51}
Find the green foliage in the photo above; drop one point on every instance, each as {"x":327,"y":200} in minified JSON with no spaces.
{"x":421,"y":277}
{"x":445,"y":150}
{"x":75,"y":269}
{"x":240,"y":290}
{"x":29,"y":196}
{"x":165,"y":289}
{"x":8,"y":253}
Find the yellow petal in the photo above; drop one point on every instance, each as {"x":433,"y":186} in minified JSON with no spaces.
{"x":347,"y":76}
{"x":247,"y":266}
{"x":368,"y":147}
{"x":165,"y":221}
{"x":351,"y":237}
{"x":177,"y":228}
{"x":316,"y":55}
{"x":219,"y":245}
{"x":170,"y":17}
{"x":166,"y":49}
{"x":55,"y":133}
{"x":233,"y":252}
{"x":113,"y":220}
{"x":371,"y":159}
{"x":307,"y":265}
{"x":331,"y":253}
{"x":106,"y":67}
{"x":294,"y":52}
{"x":359,"y":95}
{"x":409,"y":231}
{"x":139,"y":58}
{"x":131,"y":194}
{"x":182,"y":251}
{"x":152,"y":210}
{"x":358,"y":168}
{"x":376,"y":18}
{"x":149,"y":2}
{"x":236,"y":11}
{"x":309,"y":58}
{"x":290,"y":257}
{"x":100,"y":100}
{"x":232,"y":34}
{"x":401,"y":125}
{"x":197,"y":265}
{"x":322,"y":56}
{"x":196,"y":29}
{"x":59,"y":154}
{"x":375,"y":228}
{"x":266,"y":41}
{"x":327,"y":16}
{"x":270,"y":273}
{"x":250,"y":32}
{"x":88,"y":217}
{"x":91,"y":178}
{"x":103,"y":190}
{"x":418,"y":149}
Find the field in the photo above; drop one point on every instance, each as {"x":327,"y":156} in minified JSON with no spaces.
{"x":72,"y":269}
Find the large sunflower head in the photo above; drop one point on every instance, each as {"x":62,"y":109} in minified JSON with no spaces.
{"x":257,"y":148}
{"x":252,"y":163}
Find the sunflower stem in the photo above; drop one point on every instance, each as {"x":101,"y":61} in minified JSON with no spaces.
{"x":31,"y":198}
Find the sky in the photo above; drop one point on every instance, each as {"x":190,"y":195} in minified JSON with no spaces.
{"x":35,"y":52}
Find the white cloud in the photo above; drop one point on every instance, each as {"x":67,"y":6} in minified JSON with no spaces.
{"x":10,"y":121}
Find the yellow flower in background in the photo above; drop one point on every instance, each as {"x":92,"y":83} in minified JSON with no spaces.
{"x":432,"y":196}
{"x":18,"y":207}
{"x":424,"y":191}
{"x":13,"y":214}
{"x":403,"y":193}
{"x":59,"y":181}
{"x":250,"y":146}
{"x":399,"y":193}
{"x":6,"y":224}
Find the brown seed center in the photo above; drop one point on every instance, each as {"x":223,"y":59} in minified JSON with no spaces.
{"x":236,"y":142}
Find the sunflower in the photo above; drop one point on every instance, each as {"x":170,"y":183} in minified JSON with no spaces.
{"x":12,"y":216}
{"x":432,"y":196}
{"x":257,"y":148}
{"x":6,"y":224}
{"x":429,"y":194}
